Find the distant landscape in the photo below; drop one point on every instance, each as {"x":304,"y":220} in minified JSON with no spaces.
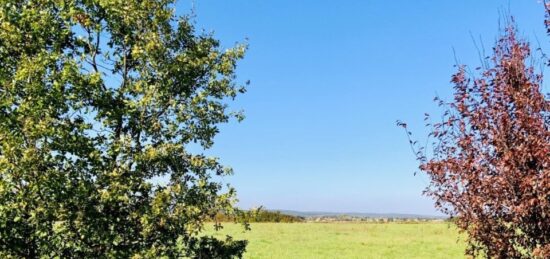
{"x":292,"y":216}
{"x":360,"y":215}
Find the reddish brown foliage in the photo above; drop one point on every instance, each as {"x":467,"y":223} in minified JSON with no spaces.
{"x":490,"y":163}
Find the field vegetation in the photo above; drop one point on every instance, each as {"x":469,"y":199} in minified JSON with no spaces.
{"x":347,"y":240}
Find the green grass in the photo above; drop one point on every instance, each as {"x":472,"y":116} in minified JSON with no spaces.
{"x":348,"y":240}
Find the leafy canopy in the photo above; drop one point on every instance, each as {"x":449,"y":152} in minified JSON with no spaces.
{"x":97,"y":98}
{"x":490,"y":163}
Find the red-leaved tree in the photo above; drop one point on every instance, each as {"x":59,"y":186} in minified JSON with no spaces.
{"x":490,"y":162}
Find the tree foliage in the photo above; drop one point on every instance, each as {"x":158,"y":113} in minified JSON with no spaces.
{"x":490,"y":162}
{"x":258,"y":215}
{"x":97,"y":98}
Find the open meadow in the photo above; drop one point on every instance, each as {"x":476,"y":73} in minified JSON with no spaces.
{"x":348,"y":240}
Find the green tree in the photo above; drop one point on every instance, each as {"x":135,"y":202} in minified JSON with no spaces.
{"x":97,"y":98}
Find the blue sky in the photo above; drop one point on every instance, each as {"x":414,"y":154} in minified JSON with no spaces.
{"x":328,"y":81}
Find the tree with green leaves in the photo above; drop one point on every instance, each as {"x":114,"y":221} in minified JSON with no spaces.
{"x":97,"y":99}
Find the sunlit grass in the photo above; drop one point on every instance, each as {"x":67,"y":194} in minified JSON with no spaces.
{"x":348,"y":240}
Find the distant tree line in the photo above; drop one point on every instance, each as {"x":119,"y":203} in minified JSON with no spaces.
{"x":258,"y":215}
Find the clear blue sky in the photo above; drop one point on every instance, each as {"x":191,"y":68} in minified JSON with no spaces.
{"x":328,"y":81}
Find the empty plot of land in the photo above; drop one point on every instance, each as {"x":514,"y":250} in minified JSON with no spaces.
{"x":348,"y":240}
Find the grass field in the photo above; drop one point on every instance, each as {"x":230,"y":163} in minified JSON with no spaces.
{"x":348,"y":240}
